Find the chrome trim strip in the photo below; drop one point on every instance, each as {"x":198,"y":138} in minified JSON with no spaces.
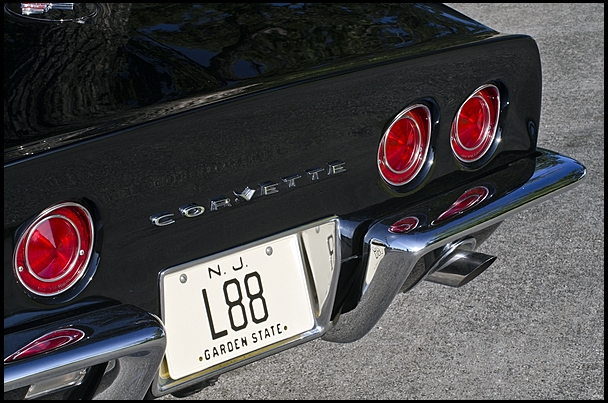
{"x":125,"y":333}
{"x":391,"y":257}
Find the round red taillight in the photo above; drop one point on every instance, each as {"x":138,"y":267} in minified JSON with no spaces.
{"x":468,"y":199}
{"x":404,"y":146}
{"x":54,"y":250}
{"x":474,"y":128}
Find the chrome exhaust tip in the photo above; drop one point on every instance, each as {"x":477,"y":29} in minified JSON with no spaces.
{"x":462,"y":268}
{"x":459,"y":264}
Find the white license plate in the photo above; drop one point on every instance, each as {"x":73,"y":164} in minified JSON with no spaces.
{"x":231,"y":306}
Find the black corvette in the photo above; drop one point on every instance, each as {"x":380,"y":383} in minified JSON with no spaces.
{"x":189,"y":188}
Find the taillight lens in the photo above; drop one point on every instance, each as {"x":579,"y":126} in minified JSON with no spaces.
{"x":54,"y":250}
{"x":475,"y":124}
{"x":404,"y":146}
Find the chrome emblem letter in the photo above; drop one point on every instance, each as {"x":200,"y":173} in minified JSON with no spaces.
{"x":291,"y":180}
{"x":162,"y":219}
{"x":246,"y":194}
{"x":191,"y":210}
{"x":335,"y":167}
{"x":314,"y":173}
{"x":219,"y":202}
{"x":268,"y":188}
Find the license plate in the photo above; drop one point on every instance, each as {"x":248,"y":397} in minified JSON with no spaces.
{"x":229,"y":307}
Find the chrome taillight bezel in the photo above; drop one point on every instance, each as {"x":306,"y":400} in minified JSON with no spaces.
{"x":75,"y":271}
{"x":488,"y":96}
{"x":419,"y":117}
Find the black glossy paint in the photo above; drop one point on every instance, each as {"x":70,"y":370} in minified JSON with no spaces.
{"x":292,"y":116}
{"x":132,"y":61}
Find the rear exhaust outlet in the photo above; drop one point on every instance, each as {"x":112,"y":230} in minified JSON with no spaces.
{"x":459,"y":264}
{"x":461,"y":268}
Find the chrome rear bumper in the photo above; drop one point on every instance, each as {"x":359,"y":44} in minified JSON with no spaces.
{"x":126,"y":342}
{"x":389,"y":258}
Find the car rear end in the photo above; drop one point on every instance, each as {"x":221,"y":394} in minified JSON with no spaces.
{"x":207,"y":232}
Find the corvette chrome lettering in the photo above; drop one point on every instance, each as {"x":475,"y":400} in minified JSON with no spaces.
{"x":266,"y":188}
